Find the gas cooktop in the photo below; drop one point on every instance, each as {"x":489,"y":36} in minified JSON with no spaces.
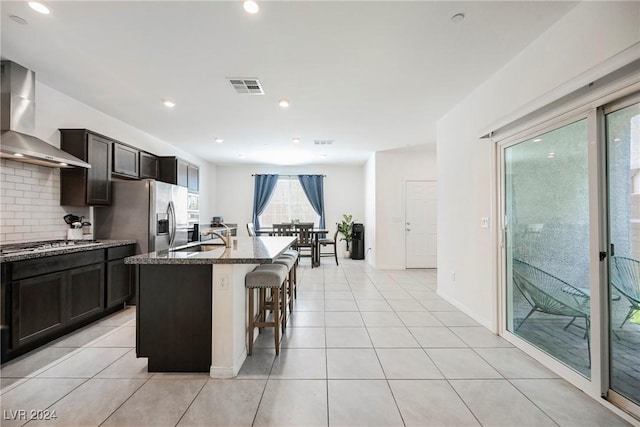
{"x":18,"y":248}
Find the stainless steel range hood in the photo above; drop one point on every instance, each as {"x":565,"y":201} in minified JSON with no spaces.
{"x":17,"y":120}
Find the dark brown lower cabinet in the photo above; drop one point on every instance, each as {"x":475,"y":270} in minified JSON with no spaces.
{"x":173,"y":317}
{"x":45,"y":298}
{"x":85,"y":292}
{"x":38,"y":307}
{"x":120,"y":276}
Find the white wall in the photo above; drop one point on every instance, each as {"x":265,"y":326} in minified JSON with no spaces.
{"x":392,"y":169}
{"x":369,"y":173}
{"x":22,"y":217}
{"x":589,"y":34}
{"x":343,"y":192}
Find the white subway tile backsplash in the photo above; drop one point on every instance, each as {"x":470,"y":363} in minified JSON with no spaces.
{"x":14,"y":178}
{"x":30,"y":203}
{"x":31,"y":181}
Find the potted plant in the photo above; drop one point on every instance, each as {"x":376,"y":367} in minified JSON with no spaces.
{"x":346,"y":229}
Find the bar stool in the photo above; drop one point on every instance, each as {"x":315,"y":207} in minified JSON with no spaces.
{"x":290,"y":263}
{"x":273,"y":277}
{"x":293,"y":253}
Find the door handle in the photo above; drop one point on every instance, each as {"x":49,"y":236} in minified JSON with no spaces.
{"x":172,"y":224}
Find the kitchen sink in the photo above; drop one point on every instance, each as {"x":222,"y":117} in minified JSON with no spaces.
{"x":202,"y":247}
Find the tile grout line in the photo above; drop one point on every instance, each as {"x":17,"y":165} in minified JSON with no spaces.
{"x":58,"y":361}
{"x":125,"y":401}
{"x":191,"y":403}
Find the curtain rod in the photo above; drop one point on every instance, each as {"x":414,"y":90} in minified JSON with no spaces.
{"x":288,"y":176}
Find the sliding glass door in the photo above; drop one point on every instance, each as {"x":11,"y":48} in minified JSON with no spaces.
{"x":623,"y":184}
{"x":546,"y":203}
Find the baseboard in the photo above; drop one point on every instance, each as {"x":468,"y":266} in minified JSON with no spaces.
{"x":466,"y":310}
{"x":225,"y":372}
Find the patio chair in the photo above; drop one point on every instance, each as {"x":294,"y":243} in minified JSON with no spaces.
{"x":625,"y":277}
{"x":548,"y":294}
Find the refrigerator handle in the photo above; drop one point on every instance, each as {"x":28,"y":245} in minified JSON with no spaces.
{"x":172,"y":224}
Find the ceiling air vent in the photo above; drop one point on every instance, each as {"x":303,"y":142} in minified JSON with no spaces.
{"x":247,"y":86}
{"x":323,"y":141}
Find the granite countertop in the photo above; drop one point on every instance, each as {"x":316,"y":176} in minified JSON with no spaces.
{"x":101,"y":244}
{"x":243,"y":250}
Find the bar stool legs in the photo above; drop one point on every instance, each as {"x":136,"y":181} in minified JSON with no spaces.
{"x":273,"y":277}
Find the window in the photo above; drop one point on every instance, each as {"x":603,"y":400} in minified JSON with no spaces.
{"x":288,"y":203}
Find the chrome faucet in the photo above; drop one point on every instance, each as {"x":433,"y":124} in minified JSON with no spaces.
{"x":226,"y":239}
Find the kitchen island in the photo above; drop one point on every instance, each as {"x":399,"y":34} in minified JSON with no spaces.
{"x":191,"y":313}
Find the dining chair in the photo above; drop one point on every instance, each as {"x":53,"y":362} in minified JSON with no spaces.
{"x":283,"y":229}
{"x":328,"y":242}
{"x":305,"y":242}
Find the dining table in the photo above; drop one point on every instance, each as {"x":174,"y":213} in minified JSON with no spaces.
{"x":316,"y":232}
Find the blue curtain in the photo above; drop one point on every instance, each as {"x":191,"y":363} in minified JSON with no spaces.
{"x":313,"y":186}
{"x":262,"y":192}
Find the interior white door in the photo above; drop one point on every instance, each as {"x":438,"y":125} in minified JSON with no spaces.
{"x":421,"y":224}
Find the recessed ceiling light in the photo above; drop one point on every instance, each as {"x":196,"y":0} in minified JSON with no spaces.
{"x":537,"y":140}
{"x":296,"y":140}
{"x":551,"y":155}
{"x":458,"y":17}
{"x":251,"y":6}
{"x":283,"y":103}
{"x":219,"y":140}
{"x":18,"y":19}
{"x":168,"y":103}
{"x":18,"y":155}
{"x":616,"y":139}
{"x":39,"y":7}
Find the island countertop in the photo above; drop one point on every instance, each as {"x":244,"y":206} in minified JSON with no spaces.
{"x":243,"y":250}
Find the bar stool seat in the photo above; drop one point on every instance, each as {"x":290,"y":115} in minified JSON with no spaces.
{"x":273,"y":277}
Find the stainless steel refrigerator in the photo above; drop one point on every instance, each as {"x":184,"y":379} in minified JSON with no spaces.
{"x":151,"y":212}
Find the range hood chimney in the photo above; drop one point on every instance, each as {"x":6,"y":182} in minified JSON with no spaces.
{"x":17,"y":120}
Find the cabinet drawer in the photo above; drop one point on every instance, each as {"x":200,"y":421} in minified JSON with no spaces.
{"x":121,"y":252}
{"x":39,"y":266}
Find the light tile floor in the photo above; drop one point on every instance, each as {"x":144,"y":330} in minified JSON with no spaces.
{"x":363,"y":348}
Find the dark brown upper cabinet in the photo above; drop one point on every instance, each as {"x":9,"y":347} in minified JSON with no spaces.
{"x":125,"y":161}
{"x":86,"y":187}
{"x":177,"y":171}
{"x":148,"y":165}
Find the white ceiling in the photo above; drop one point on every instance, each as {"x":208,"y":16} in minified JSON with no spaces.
{"x":368,"y":75}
